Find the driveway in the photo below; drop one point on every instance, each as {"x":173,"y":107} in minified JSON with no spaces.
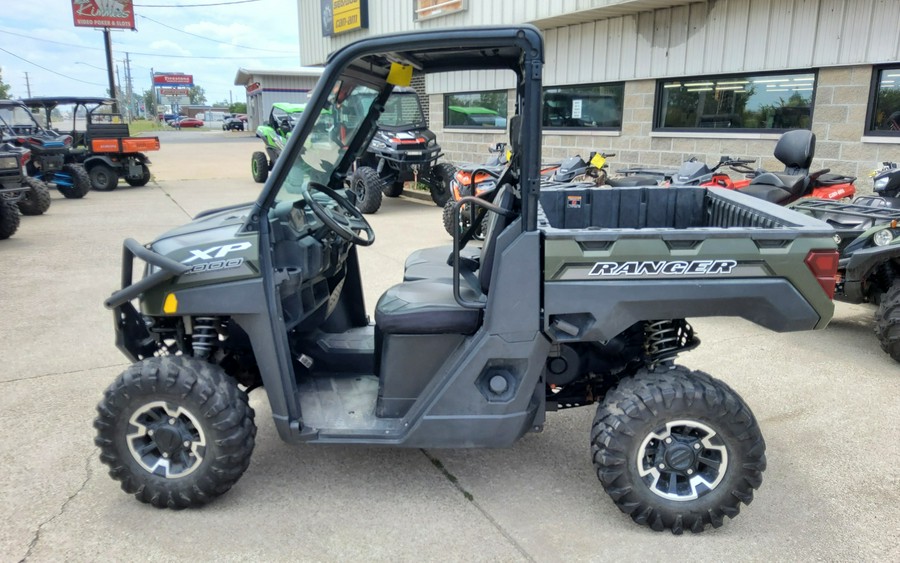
{"x":827,"y":403}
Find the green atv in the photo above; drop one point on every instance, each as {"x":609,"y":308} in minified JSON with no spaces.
{"x":274,"y":133}
{"x":579,"y":296}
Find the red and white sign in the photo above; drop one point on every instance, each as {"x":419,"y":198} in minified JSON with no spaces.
{"x":103,"y":13}
{"x":174,"y":92}
{"x":173,"y":80}
{"x":253,"y":87}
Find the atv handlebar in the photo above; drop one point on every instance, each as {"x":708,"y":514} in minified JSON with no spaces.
{"x":168,"y":269}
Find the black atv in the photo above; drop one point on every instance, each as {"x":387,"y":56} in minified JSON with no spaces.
{"x":51,"y":153}
{"x":868,"y":238}
{"x":402,"y":150}
{"x":12,"y":190}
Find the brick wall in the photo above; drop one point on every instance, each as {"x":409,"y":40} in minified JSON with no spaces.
{"x":841,"y":99}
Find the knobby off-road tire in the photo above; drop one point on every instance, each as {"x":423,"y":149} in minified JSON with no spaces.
{"x":441,"y":175}
{"x":677,"y":449}
{"x":259,"y":167}
{"x":450,"y":225}
{"x":103,"y":178}
{"x":9,"y":219}
{"x":394,"y":189}
{"x":887,"y":322}
{"x":368,"y":187}
{"x":81,"y":182}
{"x":37,"y":199}
{"x":176,"y":431}
{"x":143,"y":180}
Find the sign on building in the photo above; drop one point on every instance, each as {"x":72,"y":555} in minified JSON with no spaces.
{"x":425,"y":9}
{"x":341,"y":16}
{"x":173,"y":79}
{"x":117,"y":14}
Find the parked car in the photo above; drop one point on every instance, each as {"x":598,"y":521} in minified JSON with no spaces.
{"x":234,"y":122}
{"x":186,"y":122}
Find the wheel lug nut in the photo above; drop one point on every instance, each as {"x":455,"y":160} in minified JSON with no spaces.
{"x":187,"y":443}
{"x":697,"y":446}
{"x":165,"y":455}
{"x":662,"y":465}
{"x":668,"y":440}
{"x":150,"y":433}
{"x":171,"y":421}
{"x":690,"y":471}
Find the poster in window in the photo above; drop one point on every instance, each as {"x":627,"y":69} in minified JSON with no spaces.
{"x":426,"y":9}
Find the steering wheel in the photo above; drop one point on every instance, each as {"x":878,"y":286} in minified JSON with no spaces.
{"x":345,"y":224}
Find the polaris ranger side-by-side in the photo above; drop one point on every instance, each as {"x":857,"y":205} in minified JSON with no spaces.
{"x":579,"y":295}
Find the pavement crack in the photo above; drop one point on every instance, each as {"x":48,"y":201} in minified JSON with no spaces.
{"x":175,"y":201}
{"x":37,"y":533}
{"x":471,"y":498}
{"x":43,"y":375}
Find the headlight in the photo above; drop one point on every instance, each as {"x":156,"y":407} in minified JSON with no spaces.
{"x":378,"y":145}
{"x":9,"y":162}
{"x":881,"y":183}
{"x":432,"y":142}
{"x":883,"y":237}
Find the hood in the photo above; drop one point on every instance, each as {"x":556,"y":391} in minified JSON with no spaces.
{"x":212,"y":227}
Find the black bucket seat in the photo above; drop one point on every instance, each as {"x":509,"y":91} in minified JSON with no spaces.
{"x":795,"y":149}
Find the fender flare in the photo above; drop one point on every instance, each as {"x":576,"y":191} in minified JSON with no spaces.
{"x":93,"y":161}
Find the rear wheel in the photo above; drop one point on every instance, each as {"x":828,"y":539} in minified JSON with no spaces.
{"x":441,"y":176}
{"x":9,"y":219}
{"x":259,"y":166}
{"x":677,"y":450}
{"x":394,"y":189}
{"x":142,"y":181}
{"x":103,"y":178}
{"x":368,"y":187}
{"x":73,"y":181}
{"x":176,"y":431}
{"x":37,"y":198}
{"x":887,"y":321}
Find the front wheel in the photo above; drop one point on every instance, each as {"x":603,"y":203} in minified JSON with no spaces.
{"x":677,"y":450}
{"x":368,"y":187}
{"x":259,"y":167}
{"x":9,"y":219}
{"x":103,"y":178}
{"x":176,"y":431}
{"x":73,"y":181}
{"x":394,"y":189}
{"x":887,"y":322}
{"x":441,"y":176}
{"x":37,"y":199}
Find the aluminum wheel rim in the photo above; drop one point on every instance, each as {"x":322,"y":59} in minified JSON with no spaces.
{"x":170,"y":458}
{"x":683,"y":460}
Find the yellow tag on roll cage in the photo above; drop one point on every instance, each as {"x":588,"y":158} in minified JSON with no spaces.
{"x":400,"y":74}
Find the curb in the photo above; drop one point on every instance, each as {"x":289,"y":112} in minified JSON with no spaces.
{"x":417,"y":194}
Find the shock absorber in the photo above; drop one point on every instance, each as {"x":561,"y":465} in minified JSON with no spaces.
{"x":662,"y":341}
{"x":204,"y":336}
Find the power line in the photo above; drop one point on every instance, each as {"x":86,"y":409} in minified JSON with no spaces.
{"x":144,"y":54}
{"x":48,"y":70}
{"x":206,"y":38}
{"x":193,"y":5}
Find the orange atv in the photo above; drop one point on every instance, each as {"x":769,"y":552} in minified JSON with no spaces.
{"x":101,"y":139}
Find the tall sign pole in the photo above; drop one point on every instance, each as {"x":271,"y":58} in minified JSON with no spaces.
{"x":107,"y":41}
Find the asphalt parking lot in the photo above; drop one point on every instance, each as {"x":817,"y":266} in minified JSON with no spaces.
{"x":828,"y":404}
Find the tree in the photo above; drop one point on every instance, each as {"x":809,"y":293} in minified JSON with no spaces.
{"x":197,"y":95}
{"x":238,"y":107}
{"x":4,"y":88}
{"x":150,"y":102}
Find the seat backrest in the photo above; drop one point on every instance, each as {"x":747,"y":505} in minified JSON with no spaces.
{"x":795,"y":149}
{"x":504,"y":199}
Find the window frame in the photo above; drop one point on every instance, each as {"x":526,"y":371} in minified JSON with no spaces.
{"x":474,"y":127}
{"x":583,"y":85}
{"x":658,"y":101}
{"x":870,"y":105}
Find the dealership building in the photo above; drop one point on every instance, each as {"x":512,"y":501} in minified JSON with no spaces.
{"x":658,"y":82}
{"x":266,"y":87}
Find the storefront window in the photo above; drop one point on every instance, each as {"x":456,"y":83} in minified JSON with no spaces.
{"x":744,"y":103}
{"x":884,"y":106}
{"x":426,"y":9}
{"x":476,"y":110}
{"x":587,"y":106}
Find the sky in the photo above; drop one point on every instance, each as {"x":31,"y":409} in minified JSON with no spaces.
{"x":255,"y":34}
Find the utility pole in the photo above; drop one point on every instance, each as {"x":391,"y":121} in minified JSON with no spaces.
{"x":107,"y":43}
{"x":27,"y":85}
{"x":128,"y":91}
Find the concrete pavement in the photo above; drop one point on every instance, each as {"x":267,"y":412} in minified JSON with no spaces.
{"x":827,"y":403}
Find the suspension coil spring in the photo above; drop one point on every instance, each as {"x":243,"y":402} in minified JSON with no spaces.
{"x":662,"y":340}
{"x":204,"y":336}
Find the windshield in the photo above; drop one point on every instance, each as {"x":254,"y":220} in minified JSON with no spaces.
{"x":402,"y":109}
{"x":334,"y":128}
{"x":16,"y":116}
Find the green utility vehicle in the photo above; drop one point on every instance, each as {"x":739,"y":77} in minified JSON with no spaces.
{"x":274,"y":133}
{"x":579,"y":295}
